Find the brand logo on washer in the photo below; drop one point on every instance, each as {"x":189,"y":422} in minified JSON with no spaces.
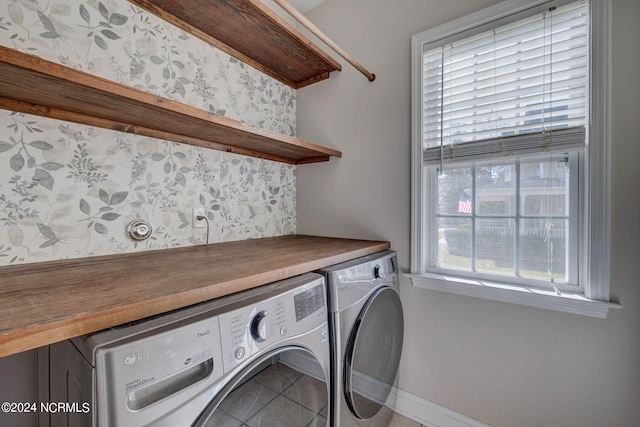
{"x":204,"y":334}
{"x":131,"y":358}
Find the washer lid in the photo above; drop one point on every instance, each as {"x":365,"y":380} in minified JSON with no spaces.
{"x":373,"y":353}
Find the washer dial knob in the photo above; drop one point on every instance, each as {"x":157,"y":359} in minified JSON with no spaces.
{"x":378,"y":272}
{"x":262,"y":326}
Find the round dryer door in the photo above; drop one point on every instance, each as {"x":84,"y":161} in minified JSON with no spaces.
{"x":373,"y":353}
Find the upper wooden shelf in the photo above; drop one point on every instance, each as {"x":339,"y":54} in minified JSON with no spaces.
{"x":251,"y":32}
{"x":32,"y":85}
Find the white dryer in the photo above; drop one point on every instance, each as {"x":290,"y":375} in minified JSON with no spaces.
{"x":367,"y":329}
{"x":216,"y":363}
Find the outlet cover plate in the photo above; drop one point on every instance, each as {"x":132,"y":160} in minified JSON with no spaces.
{"x":198,"y":223}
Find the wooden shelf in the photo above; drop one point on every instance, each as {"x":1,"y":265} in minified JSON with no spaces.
{"x":47,"y":302}
{"x":35,"y":86}
{"x":252,"y":33}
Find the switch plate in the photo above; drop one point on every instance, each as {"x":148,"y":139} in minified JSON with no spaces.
{"x":198,"y":223}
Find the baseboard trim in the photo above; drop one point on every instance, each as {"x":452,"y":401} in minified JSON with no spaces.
{"x":429,"y":413}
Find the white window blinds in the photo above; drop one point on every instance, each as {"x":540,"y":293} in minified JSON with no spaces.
{"x":518,"y":89}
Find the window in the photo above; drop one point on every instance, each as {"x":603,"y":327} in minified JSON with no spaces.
{"x":510,"y":155}
{"x":507,"y":220}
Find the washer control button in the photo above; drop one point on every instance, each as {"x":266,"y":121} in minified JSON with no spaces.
{"x":283,"y":331}
{"x":239,"y":354}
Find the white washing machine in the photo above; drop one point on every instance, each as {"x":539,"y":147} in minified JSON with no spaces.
{"x":367,"y":329}
{"x":219,"y":363}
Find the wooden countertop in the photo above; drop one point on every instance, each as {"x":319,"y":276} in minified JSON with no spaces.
{"x":43,"y":303}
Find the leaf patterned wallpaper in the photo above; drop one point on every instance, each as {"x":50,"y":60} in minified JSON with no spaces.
{"x":69,"y":191}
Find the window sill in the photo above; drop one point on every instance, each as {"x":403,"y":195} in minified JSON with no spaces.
{"x":564,"y":302}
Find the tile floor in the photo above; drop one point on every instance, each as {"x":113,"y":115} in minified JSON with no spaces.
{"x":279,"y":396}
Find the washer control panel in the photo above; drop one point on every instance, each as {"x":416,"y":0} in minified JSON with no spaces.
{"x":309,"y":301}
{"x":246,"y":330}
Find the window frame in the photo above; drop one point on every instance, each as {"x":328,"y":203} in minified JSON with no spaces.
{"x":592,"y":296}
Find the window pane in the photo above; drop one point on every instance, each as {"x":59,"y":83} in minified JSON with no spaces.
{"x":454,"y":191}
{"x":494,"y":246}
{"x":543,"y":249}
{"x":454,"y":243}
{"x":496,"y":189}
{"x":544,"y":187}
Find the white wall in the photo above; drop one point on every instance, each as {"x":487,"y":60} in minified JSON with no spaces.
{"x":503,"y":364}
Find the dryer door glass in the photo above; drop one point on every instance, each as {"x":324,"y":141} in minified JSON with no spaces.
{"x":373,"y":353}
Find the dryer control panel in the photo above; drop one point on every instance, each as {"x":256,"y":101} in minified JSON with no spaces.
{"x":353,"y":280}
